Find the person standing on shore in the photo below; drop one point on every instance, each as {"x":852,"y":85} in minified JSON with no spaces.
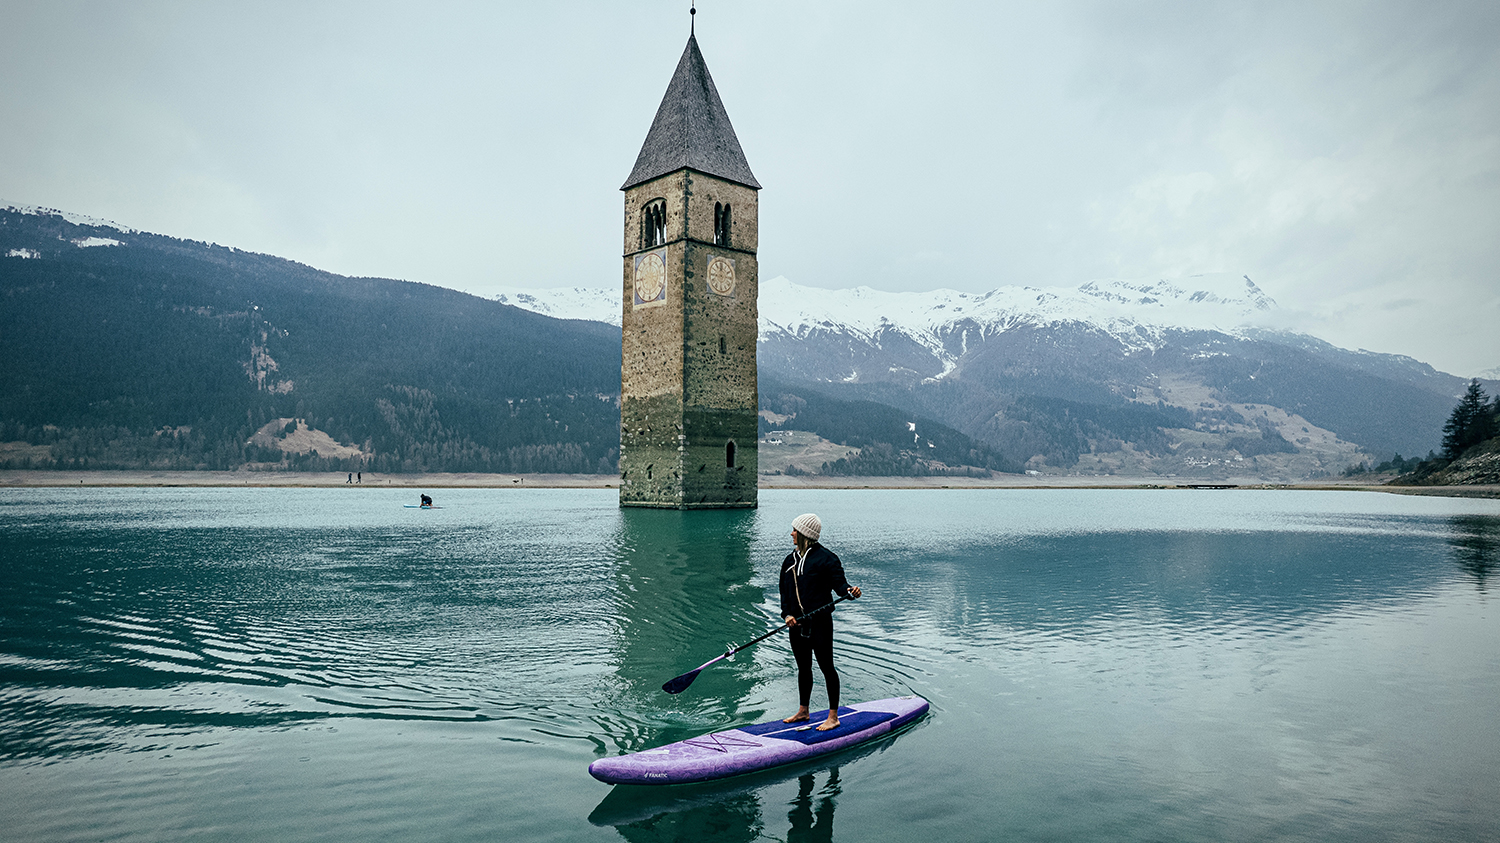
{"x":809,"y":574}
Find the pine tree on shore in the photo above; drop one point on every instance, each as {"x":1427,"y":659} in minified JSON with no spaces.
{"x":1472,"y":422}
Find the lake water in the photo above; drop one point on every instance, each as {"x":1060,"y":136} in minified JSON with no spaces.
{"x":314,"y":664}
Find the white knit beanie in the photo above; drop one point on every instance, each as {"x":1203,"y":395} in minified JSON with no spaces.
{"x":808,"y":525}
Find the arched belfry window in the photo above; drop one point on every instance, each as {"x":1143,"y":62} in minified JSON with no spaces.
{"x":729,"y":455}
{"x":721,"y":224}
{"x":654,"y":223}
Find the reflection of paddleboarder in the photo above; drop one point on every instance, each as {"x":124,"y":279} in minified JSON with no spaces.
{"x":808,"y":574}
{"x":426,"y":501}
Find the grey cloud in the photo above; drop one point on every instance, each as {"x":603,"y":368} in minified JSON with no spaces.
{"x":1343,"y":154}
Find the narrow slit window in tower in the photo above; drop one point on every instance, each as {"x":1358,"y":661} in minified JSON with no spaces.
{"x":721,"y":224}
{"x":729,"y":455}
{"x":722,"y":347}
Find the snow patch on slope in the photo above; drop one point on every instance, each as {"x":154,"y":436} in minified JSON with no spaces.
{"x":76,"y":219}
{"x":592,"y":304}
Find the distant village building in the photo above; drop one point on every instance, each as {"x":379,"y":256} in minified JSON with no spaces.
{"x":688,"y":397}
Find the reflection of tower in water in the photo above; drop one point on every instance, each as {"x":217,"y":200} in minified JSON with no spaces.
{"x":684,"y":585}
{"x":1476,"y":545}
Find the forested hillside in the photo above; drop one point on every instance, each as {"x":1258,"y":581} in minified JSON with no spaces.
{"x":128,"y":350}
{"x":891,"y":443}
{"x":134,"y":350}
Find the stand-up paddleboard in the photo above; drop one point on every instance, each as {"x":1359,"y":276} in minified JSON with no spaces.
{"x":419,"y":506}
{"x":746,"y":749}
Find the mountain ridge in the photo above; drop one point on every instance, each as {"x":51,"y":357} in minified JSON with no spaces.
{"x":1193,"y":376}
{"x":134,"y":349}
{"x":1198,"y":302}
{"x":1210,"y":344}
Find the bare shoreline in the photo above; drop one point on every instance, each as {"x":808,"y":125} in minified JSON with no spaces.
{"x":292,"y":479}
{"x":305,"y":479}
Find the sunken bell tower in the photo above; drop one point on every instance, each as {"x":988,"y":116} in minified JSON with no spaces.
{"x":688,"y":399}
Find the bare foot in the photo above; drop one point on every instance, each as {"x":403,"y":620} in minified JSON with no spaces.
{"x":799,"y":717}
{"x":831,"y":723}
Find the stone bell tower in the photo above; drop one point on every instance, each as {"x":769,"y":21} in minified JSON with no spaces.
{"x":688,"y":399}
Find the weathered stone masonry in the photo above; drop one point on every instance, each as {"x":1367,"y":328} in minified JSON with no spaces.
{"x":689,"y":323}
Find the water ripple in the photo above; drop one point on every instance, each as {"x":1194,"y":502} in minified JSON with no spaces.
{"x":162,"y":650}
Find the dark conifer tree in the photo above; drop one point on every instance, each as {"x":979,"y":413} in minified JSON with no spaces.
{"x":1472,"y":422}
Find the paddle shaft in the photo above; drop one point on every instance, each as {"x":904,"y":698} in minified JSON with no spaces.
{"x":783,"y":626}
{"x":677,"y":684}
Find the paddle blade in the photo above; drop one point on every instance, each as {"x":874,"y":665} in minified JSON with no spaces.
{"x":680,"y":683}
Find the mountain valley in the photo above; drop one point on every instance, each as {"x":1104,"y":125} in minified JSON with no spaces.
{"x":139,"y":350}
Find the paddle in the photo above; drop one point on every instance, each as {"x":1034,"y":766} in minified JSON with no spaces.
{"x":680,"y":683}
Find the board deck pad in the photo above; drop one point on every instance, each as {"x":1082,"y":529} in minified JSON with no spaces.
{"x":850,"y":721}
{"x":747,"y":749}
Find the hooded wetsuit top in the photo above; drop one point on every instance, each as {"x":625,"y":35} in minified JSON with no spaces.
{"x":811,"y":581}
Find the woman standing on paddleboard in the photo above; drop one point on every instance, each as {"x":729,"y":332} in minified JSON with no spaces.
{"x":808,"y":574}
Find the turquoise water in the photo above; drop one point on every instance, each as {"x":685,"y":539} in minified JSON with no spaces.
{"x":290,"y":665}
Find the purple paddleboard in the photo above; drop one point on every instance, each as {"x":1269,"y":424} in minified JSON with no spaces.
{"x":750,"y":748}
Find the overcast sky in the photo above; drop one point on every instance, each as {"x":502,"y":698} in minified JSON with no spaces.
{"x":1345,"y":156}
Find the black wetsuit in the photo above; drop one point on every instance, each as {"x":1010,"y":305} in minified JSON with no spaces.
{"x":821,"y":577}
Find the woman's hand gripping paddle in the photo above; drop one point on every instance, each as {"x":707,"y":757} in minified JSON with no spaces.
{"x":679,"y":684}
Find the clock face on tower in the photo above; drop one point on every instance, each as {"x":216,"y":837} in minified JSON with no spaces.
{"x":721,"y":275}
{"x":650,"y":279}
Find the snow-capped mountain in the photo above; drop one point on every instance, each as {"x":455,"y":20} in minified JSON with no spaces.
{"x":1133,"y":311}
{"x":590,"y":303}
{"x":1163,"y":375}
{"x":930,"y":332}
{"x":1049,"y":369}
{"x":863,"y":335}
{"x":945,"y":322}
{"x":1215,"y":302}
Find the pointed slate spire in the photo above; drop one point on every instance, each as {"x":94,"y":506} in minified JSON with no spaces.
{"x":691,"y":129}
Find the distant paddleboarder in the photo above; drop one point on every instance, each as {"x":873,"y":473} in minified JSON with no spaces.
{"x":426,"y":501}
{"x":808,"y":574}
